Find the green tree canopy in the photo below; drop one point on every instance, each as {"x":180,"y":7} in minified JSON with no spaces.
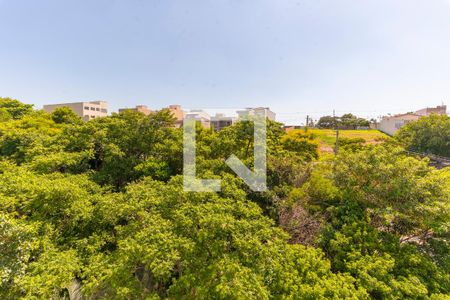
{"x":15,"y":108}
{"x":65,"y":115}
{"x":97,"y":209}
{"x":428,"y":134}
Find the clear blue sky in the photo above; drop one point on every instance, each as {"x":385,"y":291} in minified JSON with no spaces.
{"x":298,"y":57}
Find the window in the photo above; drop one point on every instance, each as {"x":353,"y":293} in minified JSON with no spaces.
{"x":93,"y":108}
{"x":93,"y":117}
{"x":86,"y":108}
{"x":104,"y":110}
{"x":97,"y":109}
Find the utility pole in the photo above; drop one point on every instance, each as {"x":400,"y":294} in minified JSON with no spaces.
{"x":307,"y":123}
{"x":336,"y":127}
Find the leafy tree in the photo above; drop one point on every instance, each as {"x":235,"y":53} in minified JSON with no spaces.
{"x":351,"y":144}
{"x":4,"y":115}
{"x":97,"y":209}
{"x":346,"y":121}
{"x":127,"y":146}
{"x":351,"y":121}
{"x":327,"y":122}
{"x":15,"y":108}
{"x":428,"y":134}
{"x":65,"y":115}
{"x":34,"y":134}
{"x":386,"y":217}
{"x":153,"y":240}
{"x":303,"y":144}
{"x":402,"y":190}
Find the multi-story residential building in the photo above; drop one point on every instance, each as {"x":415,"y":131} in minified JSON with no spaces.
{"x":139,"y":108}
{"x":262,"y":111}
{"x":86,"y":110}
{"x":200,"y":116}
{"x":390,"y":124}
{"x":220,"y":121}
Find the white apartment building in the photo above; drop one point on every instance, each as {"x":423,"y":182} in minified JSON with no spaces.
{"x":86,"y":110}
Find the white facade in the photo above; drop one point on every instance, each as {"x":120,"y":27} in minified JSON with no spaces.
{"x":391,"y":124}
{"x":85,"y":110}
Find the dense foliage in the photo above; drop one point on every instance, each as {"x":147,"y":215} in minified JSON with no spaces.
{"x":97,"y":209}
{"x":428,"y":134}
{"x":346,"y":121}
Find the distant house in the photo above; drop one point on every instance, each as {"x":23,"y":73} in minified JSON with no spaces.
{"x":390,"y":124}
{"x":85,"y":110}
{"x":139,"y":108}
{"x":220,"y":121}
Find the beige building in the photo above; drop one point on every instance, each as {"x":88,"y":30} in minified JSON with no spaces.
{"x":139,"y":108}
{"x":439,"y":110}
{"x":390,"y":124}
{"x":86,"y":110}
{"x":262,"y":111}
{"x":220,"y":121}
{"x":177,"y":113}
{"x":175,"y":110}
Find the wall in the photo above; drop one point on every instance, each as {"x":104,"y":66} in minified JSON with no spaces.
{"x":390,"y":125}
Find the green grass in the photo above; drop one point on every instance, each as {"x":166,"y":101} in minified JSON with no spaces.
{"x":327,"y":137}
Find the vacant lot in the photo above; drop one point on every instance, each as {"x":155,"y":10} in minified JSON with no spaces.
{"x":327,"y":137}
